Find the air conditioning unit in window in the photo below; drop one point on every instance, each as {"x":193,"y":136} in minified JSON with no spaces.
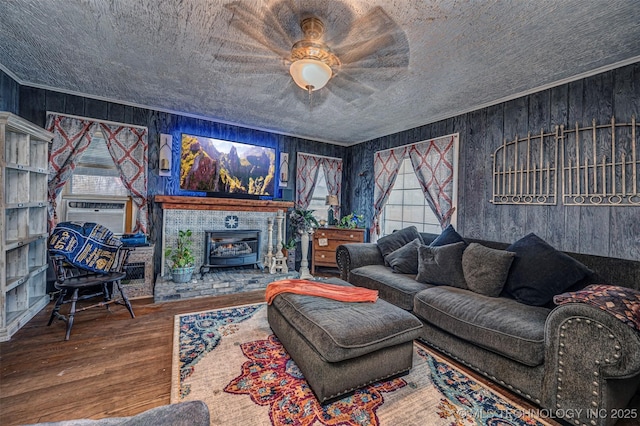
{"x":109,"y":213}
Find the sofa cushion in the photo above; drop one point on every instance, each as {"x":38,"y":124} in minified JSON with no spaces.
{"x":539,"y":271}
{"x":448,"y":236}
{"x":398,"y":289}
{"x":394,"y":241}
{"x":500,"y":324}
{"x":486,"y":269}
{"x":441,"y":265}
{"x":405,"y":259}
{"x":343,"y":330}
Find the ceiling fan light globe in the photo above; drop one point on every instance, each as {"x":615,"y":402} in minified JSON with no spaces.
{"x":310,"y":73}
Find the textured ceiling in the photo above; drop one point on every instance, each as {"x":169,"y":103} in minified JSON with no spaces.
{"x":405,"y":63}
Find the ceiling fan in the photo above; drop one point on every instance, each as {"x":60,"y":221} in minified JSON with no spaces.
{"x":350,"y":57}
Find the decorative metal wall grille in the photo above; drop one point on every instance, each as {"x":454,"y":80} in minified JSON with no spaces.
{"x":595,"y":165}
{"x":600,"y":165}
{"x":525,"y":171}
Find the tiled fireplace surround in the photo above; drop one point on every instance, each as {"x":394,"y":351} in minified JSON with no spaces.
{"x":201,"y":214}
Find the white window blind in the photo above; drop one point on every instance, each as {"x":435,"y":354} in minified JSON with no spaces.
{"x":96,"y":173}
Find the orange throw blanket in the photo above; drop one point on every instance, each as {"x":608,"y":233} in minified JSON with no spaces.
{"x":313,"y":288}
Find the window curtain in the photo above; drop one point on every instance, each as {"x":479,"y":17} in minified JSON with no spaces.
{"x":72,"y":137}
{"x":332,"y":168}
{"x":433,"y":163}
{"x":128,"y":148}
{"x":307,"y":168}
{"x":385,"y":168}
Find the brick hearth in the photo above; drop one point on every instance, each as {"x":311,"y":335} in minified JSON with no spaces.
{"x":218,"y":282}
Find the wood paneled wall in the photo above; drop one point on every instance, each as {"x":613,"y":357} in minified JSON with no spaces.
{"x":605,"y":231}
{"x":9,"y":93}
{"x":34,"y":103}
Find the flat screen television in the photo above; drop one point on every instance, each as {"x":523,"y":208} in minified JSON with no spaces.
{"x":224,"y":168}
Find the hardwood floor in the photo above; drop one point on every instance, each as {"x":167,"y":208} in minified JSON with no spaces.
{"x":112,"y":365}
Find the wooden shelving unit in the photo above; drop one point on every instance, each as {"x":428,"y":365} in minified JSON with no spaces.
{"x":24,"y":155}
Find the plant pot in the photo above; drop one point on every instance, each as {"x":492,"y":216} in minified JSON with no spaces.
{"x":291,"y":259}
{"x":182,"y":275}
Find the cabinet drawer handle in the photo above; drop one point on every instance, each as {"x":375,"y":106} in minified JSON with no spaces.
{"x":323,"y":256}
{"x":351,"y":236}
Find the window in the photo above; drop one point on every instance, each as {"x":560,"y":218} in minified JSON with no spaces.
{"x":319,"y":197}
{"x":96,"y":173}
{"x":407,"y":206}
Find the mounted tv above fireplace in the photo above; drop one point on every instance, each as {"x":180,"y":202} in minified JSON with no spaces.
{"x":224,"y":168}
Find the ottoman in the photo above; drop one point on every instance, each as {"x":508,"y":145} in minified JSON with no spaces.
{"x":342,"y":346}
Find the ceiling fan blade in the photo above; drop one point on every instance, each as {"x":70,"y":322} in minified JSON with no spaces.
{"x":256,"y":35}
{"x":275,"y":19}
{"x":382,"y":64}
{"x":262,"y":27}
{"x":264,"y":60}
{"x":373,"y":23}
{"x":375,"y":36}
{"x":348,"y":88}
{"x":385,"y":49}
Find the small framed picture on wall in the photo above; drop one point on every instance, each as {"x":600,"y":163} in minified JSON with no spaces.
{"x":284,"y":169}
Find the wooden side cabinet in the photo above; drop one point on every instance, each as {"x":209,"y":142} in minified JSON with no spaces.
{"x":24,"y":168}
{"x":327,"y":240}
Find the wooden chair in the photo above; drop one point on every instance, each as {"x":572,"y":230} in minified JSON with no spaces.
{"x":76,"y":284}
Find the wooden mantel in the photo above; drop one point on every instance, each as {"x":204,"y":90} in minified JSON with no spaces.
{"x":225,"y":204}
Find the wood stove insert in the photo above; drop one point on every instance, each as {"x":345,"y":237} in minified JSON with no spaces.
{"x":231,"y":248}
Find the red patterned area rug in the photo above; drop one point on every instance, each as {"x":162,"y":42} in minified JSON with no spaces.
{"x":230,"y":359}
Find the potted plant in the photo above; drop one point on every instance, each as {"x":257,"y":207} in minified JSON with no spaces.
{"x":302,"y":221}
{"x":181,"y":260}
{"x":351,"y":221}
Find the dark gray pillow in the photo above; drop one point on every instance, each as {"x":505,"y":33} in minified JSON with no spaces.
{"x":448,"y":236}
{"x":441,"y":265}
{"x":540,"y":272}
{"x":486,"y":269}
{"x":398,"y":239}
{"x":405,"y":259}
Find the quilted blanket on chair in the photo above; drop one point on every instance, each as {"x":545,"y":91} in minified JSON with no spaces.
{"x":85,"y":245}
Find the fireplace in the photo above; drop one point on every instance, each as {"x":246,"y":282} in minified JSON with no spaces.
{"x":231,"y":248}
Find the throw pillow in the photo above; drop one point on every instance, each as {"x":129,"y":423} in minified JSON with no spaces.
{"x":405,"y":259}
{"x":398,"y":239}
{"x":486,"y":269}
{"x":621,"y":302}
{"x":448,"y":236}
{"x":441,"y":265}
{"x":539,"y":271}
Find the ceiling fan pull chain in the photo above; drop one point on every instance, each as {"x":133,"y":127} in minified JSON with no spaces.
{"x":310,"y":90}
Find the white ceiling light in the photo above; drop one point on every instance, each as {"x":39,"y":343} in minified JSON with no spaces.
{"x":312,"y":60}
{"x":310,"y":74}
